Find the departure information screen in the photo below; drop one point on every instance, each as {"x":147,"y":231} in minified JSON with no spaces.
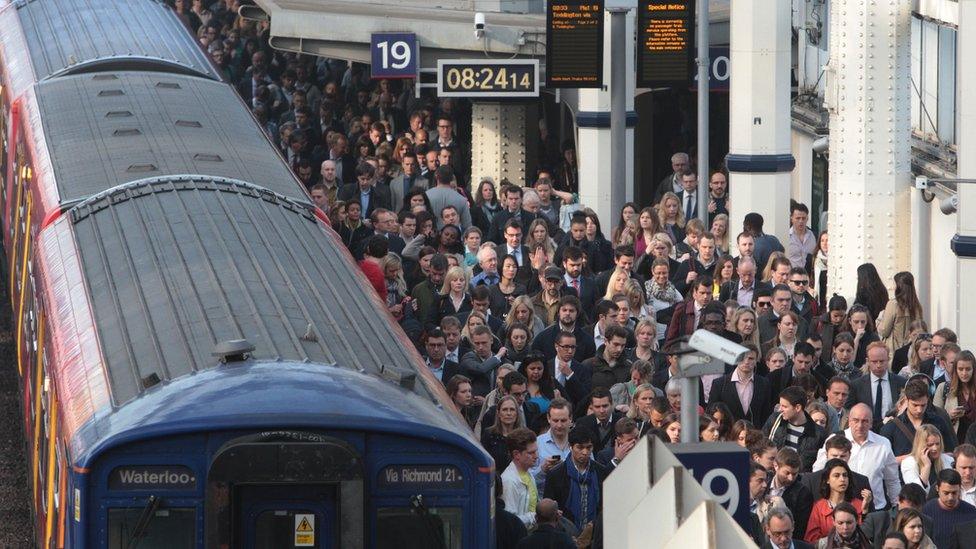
{"x":574,"y":44}
{"x":665,"y":43}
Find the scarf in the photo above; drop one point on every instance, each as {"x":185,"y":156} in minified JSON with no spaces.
{"x":584,"y":494}
{"x":856,"y":540}
{"x":667,"y":293}
{"x":848,"y":371}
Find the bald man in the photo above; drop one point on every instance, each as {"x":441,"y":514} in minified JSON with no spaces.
{"x":871,"y":456}
{"x":547,"y":534}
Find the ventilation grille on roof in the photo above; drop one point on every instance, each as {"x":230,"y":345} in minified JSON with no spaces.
{"x":125,"y":132}
{"x":110,"y":93}
{"x":169,"y":85}
{"x":105,"y":77}
{"x":118,"y":114}
{"x":141,"y":168}
{"x":205,"y":157}
{"x":188,"y":124}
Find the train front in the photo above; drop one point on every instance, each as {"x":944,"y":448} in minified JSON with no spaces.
{"x":239,"y":386}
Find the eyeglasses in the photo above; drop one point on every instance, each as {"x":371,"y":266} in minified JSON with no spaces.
{"x":763,"y":304}
{"x":800,"y":282}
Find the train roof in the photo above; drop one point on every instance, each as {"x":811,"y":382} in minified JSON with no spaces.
{"x":76,"y":36}
{"x":174,"y":266}
{"x":104,"y":130}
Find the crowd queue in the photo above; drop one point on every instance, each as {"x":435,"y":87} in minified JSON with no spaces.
{"x":554,"y":331}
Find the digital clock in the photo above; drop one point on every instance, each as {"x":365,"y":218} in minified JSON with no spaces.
{"x":488,"y":78}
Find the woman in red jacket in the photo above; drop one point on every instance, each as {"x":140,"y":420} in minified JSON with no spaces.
{"x":836,"y":486}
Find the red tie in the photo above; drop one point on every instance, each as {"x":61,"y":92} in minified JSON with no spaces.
{"x":576,"y":284}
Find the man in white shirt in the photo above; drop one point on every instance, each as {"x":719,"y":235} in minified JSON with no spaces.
{"x":802,"y":242}
{"x":965,"y":457}
{"x":451,"y":327}
{"x":554,"y":443}
{"x":518,"y":489}
{"x":871,"y":456}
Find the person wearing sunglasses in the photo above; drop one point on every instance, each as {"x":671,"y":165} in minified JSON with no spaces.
{"x":803,"y":303}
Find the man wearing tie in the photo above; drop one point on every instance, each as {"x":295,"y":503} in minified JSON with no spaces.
{"x":880,"y":388}
{"x":584,"y":286}
{"x":407,"y":180}
{"x":689,"y":195}
{"x":570,"y":373}
{"x":513,"y":242}
{"x":601,"y":422}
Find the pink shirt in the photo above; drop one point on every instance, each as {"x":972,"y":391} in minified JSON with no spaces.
{"x":745,"y":388}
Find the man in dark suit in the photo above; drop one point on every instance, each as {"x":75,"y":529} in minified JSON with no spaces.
{"x":408,"y":179}
{"x":803,"y":354}
{"x":579,"y":470}
{"x":573,"y":375}
{"x":601,"y":419}
{"x":786,"y":484}
{"x":384,"y":221}
{"x":864,"y":390}
{"x":782,"y":303}
{"x":688,"y":197}
{"x":780,"y":529}
{"x":686,"y":314}
{"x":512,"y":210}
{"x":623,"y":259}
{"x":436,"y":349}
{"x":584,"y":286}
{"x":568,"y":320}
{"x":513,"y":246}
{"x":371,"y":196}
{"x":481,"y":302}
{"x":746,"y":394}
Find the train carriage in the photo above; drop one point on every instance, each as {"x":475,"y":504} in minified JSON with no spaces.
{"x":202,"y":364}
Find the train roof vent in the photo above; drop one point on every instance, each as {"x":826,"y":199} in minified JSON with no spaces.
{"x":118,"y":114}
{"x":150,"y":380}
{"x":169,"y":85}
{"x":105,"y":77}
{"x":234,"y":350}
{"x":401,"y":376}
{"x":206,"y":157}
{"x":141,"y":168}
{"x":110,"y":93}
{"x":125,"y":132}
{"x":189,"y":124}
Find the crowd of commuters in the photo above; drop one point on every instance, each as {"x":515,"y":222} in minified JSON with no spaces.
{"x":554,"y":331}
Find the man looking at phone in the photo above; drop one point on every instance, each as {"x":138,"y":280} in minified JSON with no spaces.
{"x":554,"y":443}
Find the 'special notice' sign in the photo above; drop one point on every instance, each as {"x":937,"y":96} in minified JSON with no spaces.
{"x":665,"y":43}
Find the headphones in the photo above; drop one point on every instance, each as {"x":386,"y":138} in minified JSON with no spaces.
{"x":928,"y":381}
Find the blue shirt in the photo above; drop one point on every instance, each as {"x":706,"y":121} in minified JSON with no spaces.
{"x":484,"y":278}
{"x":547,"y":449}
{"x":364,"y":200}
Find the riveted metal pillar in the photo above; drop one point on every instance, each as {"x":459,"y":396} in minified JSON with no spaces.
{"x":501,"y":146}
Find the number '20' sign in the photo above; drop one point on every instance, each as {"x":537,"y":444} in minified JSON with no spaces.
{"x":393,"y":55}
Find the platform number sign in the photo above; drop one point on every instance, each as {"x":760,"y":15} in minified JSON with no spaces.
{"x":393,"y":55}
{"x":722,"y":468}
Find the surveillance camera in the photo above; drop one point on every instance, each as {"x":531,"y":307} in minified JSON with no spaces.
{"x":821,"y":144}
{"x":949,"y":205}
{"x":479,"y":24}
{"x":718,"y":347}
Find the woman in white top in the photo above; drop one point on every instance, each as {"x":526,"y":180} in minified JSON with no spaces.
{"x":928,"y":457}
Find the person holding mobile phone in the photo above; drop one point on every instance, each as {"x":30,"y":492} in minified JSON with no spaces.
{"x":554,"y":443}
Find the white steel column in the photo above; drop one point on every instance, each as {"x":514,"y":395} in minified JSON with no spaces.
{"x":499,"y":142}
{"x":593,"y":137}
{"x":964,"y":243}
{"x":760,"y":159}
{"x":867,"y":96}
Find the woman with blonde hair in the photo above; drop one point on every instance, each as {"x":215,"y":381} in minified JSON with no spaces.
{"x":635,"y":298}
{"x":671,"y":217}
{"x":645,"y":335}
{"x":767,"y":269}
{"x":402,"y":147}
{"x":920,"y":352}
{"x":640,"y":406}
{"x":616,"y":284}
{"x":523,"y":311}
{"x":720,"y":230}
{"x":396,"y":286}
{"x":927,"y":458}
{"x":745,"y":324}
{"x":454,"y":298}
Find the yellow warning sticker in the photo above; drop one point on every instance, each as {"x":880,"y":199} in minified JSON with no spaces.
{"x":305,"y":530}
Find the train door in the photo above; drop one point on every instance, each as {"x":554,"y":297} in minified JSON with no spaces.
{"x":287,"y":516}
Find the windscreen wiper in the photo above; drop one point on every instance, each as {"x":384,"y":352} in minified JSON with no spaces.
{"x":145,"y":518}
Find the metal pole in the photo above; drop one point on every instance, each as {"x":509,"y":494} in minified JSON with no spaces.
{"x":689,"y":409}
{"x":618,"y":107}
{"x":703,"y":85}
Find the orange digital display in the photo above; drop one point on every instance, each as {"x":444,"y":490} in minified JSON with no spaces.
{"x":665,"y":43}
{"x":574,"y":44}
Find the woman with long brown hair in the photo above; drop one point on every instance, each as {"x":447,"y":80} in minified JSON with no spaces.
{"x":900,"y":312}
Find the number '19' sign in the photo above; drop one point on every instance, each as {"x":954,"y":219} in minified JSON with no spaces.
{"x":722,"y":468}
{"x":393,"y":55}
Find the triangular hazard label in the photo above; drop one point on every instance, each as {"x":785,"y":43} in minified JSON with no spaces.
{"x":304,"y":526}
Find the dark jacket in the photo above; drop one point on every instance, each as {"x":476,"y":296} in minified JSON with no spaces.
{"x":545,"y":342}
{"x":379,"y":197}
{"x":606,"y":375}
{"x":509,"y":530}
{"x":730,"y":290}
{"x":767,"y":328}
{"x":682,"y":321}
{"x":863,"y":393}
{"x":799,"y":501}
{"x":812,"y":482}
{"x":876,"y":524}
{"x":547,"y":536}
{"x":578,"y":385}
{"x":901,"y":443}
{"x":810,"y":442}
{"x":558,"y":484}
{"x":723,"y":390}
{"x":589,"y":421}
{"x":481,"y":372}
